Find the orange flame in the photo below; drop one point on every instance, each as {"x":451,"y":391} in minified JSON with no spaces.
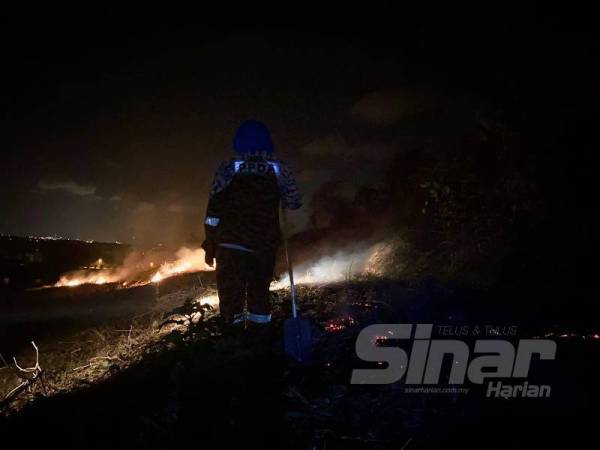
{"x":187,"y":260}
{"x":85,"y":277}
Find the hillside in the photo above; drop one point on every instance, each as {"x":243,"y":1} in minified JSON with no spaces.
{"x":175,"y":377}
{"x":36,"y":261}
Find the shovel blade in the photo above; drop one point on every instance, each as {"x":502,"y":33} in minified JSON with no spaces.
{"x":297,"y":340}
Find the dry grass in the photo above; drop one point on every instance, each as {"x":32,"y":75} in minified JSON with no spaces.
{"x":94,"y":354}
{"x":88,"y":356}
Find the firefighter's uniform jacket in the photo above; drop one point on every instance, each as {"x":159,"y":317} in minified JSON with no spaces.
{"x":243,"y":233}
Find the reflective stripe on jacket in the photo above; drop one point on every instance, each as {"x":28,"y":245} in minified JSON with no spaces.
{"x":243,"y":207}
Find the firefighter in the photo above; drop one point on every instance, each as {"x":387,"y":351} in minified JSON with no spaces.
{"x":242,"y":224}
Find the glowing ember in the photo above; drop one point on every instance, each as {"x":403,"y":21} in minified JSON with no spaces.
{"x":565,"y":335}
{"x":380,"y":340}
{"x":335,"y":325}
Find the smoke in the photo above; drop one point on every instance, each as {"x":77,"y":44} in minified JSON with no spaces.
{"x":140,"y":268}
{"x":384,"y":258}
{"x":339,"y":266}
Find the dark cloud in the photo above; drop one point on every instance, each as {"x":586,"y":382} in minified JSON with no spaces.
{"x":332,"y":145}
{"x":385,"y":107}
{"x":339,"y":150}
{"x":144,"y":119}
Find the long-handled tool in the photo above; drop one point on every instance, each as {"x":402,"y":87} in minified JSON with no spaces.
{"x":296,"y":331}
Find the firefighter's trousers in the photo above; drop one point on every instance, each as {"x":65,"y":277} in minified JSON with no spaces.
{"x":243,"y":280}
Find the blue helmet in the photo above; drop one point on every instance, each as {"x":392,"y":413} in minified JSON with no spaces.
{"x":252,"y":137}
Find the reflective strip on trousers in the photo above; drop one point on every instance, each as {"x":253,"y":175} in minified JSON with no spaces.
{"x":259,"y":318}
{"x":239,"y":318}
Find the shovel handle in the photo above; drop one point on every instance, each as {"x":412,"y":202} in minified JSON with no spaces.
{"x":289,"y":263}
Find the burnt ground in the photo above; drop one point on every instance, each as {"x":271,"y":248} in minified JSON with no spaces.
{"x":204,"y":385}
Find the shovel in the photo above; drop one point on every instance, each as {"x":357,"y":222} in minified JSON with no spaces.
{"x":296,"y":331}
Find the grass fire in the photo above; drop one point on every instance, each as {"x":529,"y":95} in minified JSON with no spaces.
{"x":352,"y":234}
{"x":135,"y":269}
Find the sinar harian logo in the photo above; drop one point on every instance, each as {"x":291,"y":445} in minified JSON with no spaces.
{"x":490,"y":358}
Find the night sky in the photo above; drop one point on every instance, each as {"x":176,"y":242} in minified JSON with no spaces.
{"x":112,"y":129}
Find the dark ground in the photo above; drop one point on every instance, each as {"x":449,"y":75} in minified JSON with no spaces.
{"x":33,"y":262}
{"x":204,"y":389}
